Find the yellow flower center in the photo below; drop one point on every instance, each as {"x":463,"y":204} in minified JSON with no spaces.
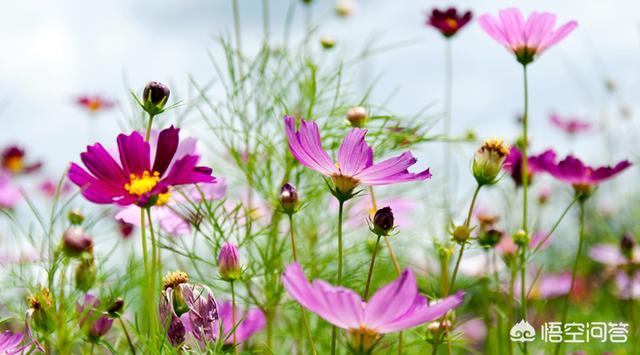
{"x":363,"y":339}
{"x":140,"y":185}
{"x":94,"y":105}
{"x":164,"y":198}
{"x":342,"y":182}
{"x":14,"y":164}
{"x":453,"y":23}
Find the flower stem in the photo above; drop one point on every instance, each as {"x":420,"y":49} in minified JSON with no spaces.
{"x":155,"y":254}
{"x":293,"y":238}
{"x":448,"y":84}
{"x":334,"y":331}
{"x":233,"y":318}
{"x":126,"y":333}
{"x":574,"y":270}
{"x":145,"y":260}
{"x":148,"y":132}
{"x":525,"y":189}
{"x":467,"y":222}
{"x":556,"y":224}
{"x":373,"y":260}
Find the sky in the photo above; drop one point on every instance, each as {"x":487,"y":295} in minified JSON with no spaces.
{"x":54,"y":51}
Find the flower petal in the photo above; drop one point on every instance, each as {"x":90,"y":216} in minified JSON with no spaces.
{"x":423,"y":313}
{"x":391,"y":301}
{"x":354,"y":154}
{"x":306,"y":146}
{"x":166,"y":149}
{"x":134,"y":153}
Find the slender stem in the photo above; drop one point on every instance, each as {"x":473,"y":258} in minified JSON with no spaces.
{"x":126,"y":334}
{"x":467,"y":222}
{"x":334,"y":331}
{"x":525,"y":189}
{"x":392,"y":255}
{"x":373,"y":260}
{"x":555,"y":225}
{"x":523,"y":288}
{"x":574,"y":270}
{"x":148,"y":132}
{"x":236,"y":25}
{"x":448,"y":94}
{"x":145,"y":260}
{"x":233,"y":318}
{"x":512,"y":280}
{"x":154,"y":251}
{"x":265,"y":21}
{"x":293,"y":238}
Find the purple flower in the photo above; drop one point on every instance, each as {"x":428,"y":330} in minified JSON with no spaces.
{"x":573,"y":171}
{"x":525,"y":39}
{"x":9,"y":194}
{"x":628,"y":287}
{"x":13,"y":161}
{"x":355,"y":158}
{"x":546,"y":286}
{"x":96,"y":321}
{"x":513,"y":164}
{"x":10,"y":343}
{"x":570,"y":125}
{"x":612,"y":255}
{"x":249,"y":322}
{"x":395,"y":307}
{"x":229,"y":262}
{"x":132,"y":177}
{"x":448,"y":21}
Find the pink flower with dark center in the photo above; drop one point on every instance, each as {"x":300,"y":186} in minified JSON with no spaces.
{"x":570,"y":125}
{"x":132,"y":177}
{"x":526,"y":39}
{"x":393,"y":308}
{"x":94,"y":103}
{"x":354,"y":165}
{"x":13,"y":161}
{"x":448,"y":21}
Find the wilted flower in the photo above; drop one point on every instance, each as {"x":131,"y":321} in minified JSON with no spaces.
{"x":395,"y":307}
{"x":490,"y":238}
{"x":357,"y":116}
{"x":382,"y":221}
{"x":75,"y":242}
{"x":135,"y":180}
{"x":448,"y":21}
{"x":525,"y":39}
{"x":93,"y":318}
{"x":41,"y":311}
{"x":229,"y":262}
{"x":94,"y":103}
{"x":570,"y":125}
{"x":488,"y":161}
{"x":248,"y":323}
{"x":355,"y":159}
{"x":125,"y":228}
{"x":154,"y":97}
{"x":13,"y":161}
{"x":9,"y":194}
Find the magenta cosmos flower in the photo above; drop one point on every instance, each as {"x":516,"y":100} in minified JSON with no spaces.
{"x":395,"y":307}
{"x":141,"y":173}
{"x":94,"y":103}
{"x":355,"y":159}
{"x":448,"y":21}
{"x":573,"y":171}
{"x":13,"y":161}
{"x":570,"y":125}
{"x":513,"y":164}
{"x":526,"y":39}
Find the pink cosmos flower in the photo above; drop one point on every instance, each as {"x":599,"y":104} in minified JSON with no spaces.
{"x":628,"y":287}
{"x":249,"y":323}
{"x":11,"y":343}
{"x":9,"y":194}
{"x":48,"y":188}
{"x":132,"y":177}
{"x":547,"y":286}
{"x":526,"y":39}
{"x":573,"y":171}
{"x":395,"y":307}
{"x":13,"y":161}
{"x":570,"y":125}
{"x":94,"y":103}
{"x":513,"y":164}
{"x":612,"y":255}
{"x":355,"y":159}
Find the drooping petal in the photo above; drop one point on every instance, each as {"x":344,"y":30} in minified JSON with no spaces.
{"x":391,"y":171}
{"x":134,"y":153}
{"x":391,"y":301}
{"x":423,"y":313}
{"x":604,"y":173}
{"x":354,"y":154}
{"x":168,"y":141}
{"x":306,"y":146}
{"x":607,"y":254}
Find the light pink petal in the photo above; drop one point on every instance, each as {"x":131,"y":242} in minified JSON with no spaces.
{"x":392,"y":170}
{"x":354,"y":154}
{"x":170,"y":222}
{"x":539,"y":25}
{"x":557,"y":35}
{"x":130,"y":214}
{"x":423,"y":313}
{"x":607,"y":254}
{"x":513,"y":23}
{"x":391,"y":301}
{"x":494,"y":28}
{"x":306,"y":146}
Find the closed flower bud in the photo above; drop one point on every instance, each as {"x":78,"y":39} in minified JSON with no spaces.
{"x":173,"y":280}
{"x":229,"y":262}
{"x":154,"y":97}
{"x":461,"y":234}
{"x":382,"y":221}
{"x":357,"y":116}
{"x":490,"y":238}
{"x":75,"y":242}
{"x":488,"y":161}
{"x":116,"y":307}
{"x":289,"y":199}
{"x":86,"y":274}
{"x":521,"y":238}
{"x":75,"y":217}
{"x":327,"y":42}
{"x":345,"y":8}
{"x":627,"y":244}
{"x":41,"y":309}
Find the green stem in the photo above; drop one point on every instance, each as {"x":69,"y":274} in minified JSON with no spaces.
{"x":467,"y":223}
{"x":525,"y":189}
{"x":448,"y":84}
{"x":373,"y":260}
{"x":574,"y":271}
{"x":145,"y":260}
{"x":126,"y":333}
{"x":293,"y":238}
{"x":155,"y":254}
{"x":236,"y":25}
{"x":148,"y":132}
{"x":233,"y":318}
{"x":556,"y":224}
{"x":334,"y":331}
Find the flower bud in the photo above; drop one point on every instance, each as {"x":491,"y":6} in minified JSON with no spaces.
{"x":345,"y":8}
{"x":289,"y":199}
{"x":627,"y":244}
{"x":382,"y":222}
{"x":436,"y":326}
{"x":461,"y":234}
{"x":488,"y":161}
{"x":490,"y":238}
{"x":521,"y":238}
{"x":75,"y":217}
{"x":357,"y":116}
{"x":41,"y":309}
{"x":154,"y":97}
{"x":327,"y":42}
{"x":75,"y":242}
{"x":173,"y":280}
{"x":229,"y":262}
{"x":86,"y":274}
{"x":116,"y":308}
{"x":126,"y":229}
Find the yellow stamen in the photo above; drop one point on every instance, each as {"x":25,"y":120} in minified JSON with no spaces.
{"x":94,"y":105}
{"x":164,"y":198}
{"x":453,"y":23}
{"x":15,"y":164}
{"x":140,"y":185}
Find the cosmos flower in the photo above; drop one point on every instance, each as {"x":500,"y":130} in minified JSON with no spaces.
{"x":525,"y":39}
{"x":9,"y":194}
{"x":96,"y":321}
{"x":94,"y":103}
{"x":573,"y":171}
{"x":448,"y":21}
{"x":133,"y":177}
{"x":13,"y":161}
{"x":355,"y":159}
{"x":547,"y":285}
{"x":570,"y":125}
{"x":49,"y":188}
{"x":535,"y":164}
{"x":393,"y":308}
{"x":12,"y":343}
{"x":627,"y":287}
{"x":249,"y":323}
